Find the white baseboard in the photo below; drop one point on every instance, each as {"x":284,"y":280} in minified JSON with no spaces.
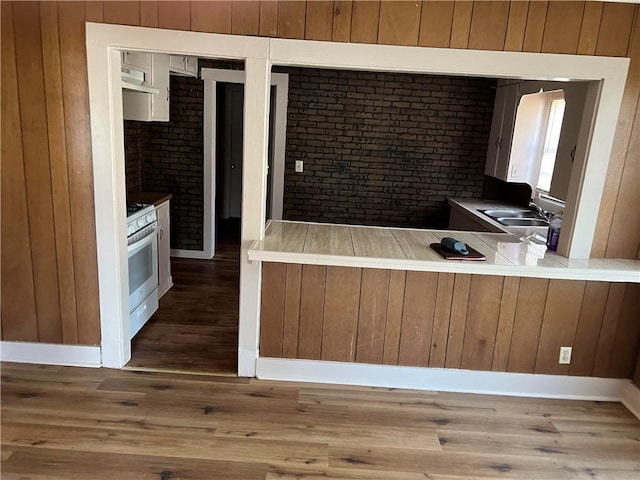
{"x":198,"y":254}
{"x":247,"y":362}
{"x":51,"y":354}
{"x":441,"y":379}
{"x":630,"y":397}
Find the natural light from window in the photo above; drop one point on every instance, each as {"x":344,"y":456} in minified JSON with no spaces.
{"x":550,"y":148}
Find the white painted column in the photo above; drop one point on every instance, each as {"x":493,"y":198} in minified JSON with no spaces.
{"x":254,"y":201}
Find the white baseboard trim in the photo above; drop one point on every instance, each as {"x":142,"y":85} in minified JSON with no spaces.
{"x":630,"y":397}
{"x":51,"y":354}
{"x":441,"y":379}
{"x":198,"y":254}
{"x":247,"y":362}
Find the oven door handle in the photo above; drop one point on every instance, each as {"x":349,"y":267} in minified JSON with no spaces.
{"x":143,"y":241}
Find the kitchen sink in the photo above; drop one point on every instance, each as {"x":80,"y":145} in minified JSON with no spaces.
{"x":517,"y":217}
{"x":510,"y":213}
{"x":523,"y":222}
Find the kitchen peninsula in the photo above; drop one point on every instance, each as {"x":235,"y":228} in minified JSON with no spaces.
{"x":377,"y":295}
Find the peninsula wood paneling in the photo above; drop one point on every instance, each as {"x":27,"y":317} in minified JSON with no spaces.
{"x":477,"y":322}
{"x":604,"y":29}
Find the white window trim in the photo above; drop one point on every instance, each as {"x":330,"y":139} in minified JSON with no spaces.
{"x":104,"y":43}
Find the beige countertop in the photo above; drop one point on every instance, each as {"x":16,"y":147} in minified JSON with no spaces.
{"x":408,"y":249}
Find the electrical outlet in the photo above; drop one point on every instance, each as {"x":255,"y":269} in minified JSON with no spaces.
{"x":565,"y":355}
{"x":299,"y":166}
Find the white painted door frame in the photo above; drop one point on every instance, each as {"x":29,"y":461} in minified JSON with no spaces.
{"x":211,"y":76}
{"x":104,"y":43}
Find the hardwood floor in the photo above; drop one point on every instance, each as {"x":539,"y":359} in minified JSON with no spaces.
{"x":196,"y":327}
{"x":73,"y":423}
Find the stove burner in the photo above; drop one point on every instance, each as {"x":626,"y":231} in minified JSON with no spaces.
{"x":134,"y":207}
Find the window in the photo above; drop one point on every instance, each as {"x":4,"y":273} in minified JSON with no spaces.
{"x":551,"y":139}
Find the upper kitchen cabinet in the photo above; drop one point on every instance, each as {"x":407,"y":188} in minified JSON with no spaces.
{"x":183,"y":65}
{"x":502,"y":127}
{"x":147,"y":107}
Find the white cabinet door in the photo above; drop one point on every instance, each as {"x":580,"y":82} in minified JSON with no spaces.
{"x":165,"y":282}
{"x":147,"y":107}
{"x":183,"y":65}
{"x":502,"y":123}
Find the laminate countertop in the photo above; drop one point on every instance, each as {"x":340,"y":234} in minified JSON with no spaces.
{"x":408,"y":249}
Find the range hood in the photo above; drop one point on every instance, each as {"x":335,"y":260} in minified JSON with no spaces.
{"x":134,"y":80}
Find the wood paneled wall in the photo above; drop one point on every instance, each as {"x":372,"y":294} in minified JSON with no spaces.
{"x":423,"y":319}
{"x":49,"y":270}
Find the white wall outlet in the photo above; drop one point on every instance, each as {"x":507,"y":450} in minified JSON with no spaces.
{"x":565,"y":355}
{"x":299,"y":166}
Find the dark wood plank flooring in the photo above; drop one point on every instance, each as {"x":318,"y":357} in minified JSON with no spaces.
{"x":196,"y":327}
{"x":78,"y":424}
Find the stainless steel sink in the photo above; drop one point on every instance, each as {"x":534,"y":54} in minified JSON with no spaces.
{"x":510,"y":213}
{"x":523,"y":222}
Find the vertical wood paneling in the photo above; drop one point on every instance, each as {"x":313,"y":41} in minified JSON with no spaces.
{"x":245,"y":17}
{"x":319,"y":20}
{"x":31,"y":98}
{"x":397,"y":280}
{"x":620,"y":150}
{"x":507,"y":316}
{"x":365,"y":18}
{"x":340,"y":326}
{"x":532,"y":296}
{"x":272,"y":306}
{"x":435,"y":24}
{"x":374,"y":294}
{"x":441,"y":317}
{"x":73,"y":61}
{"x":516,"y":25}
{"x":19,"y":320}
{"x":148,"y":13}
{"x":561,"y":315}
{"x":291,"y":311}
{"x":59,"y":176}
{"x":269,"y":18}
{"x":482,"y":322}
{"x":209,"y":16}
{"x":615,"y":29}
{"x":291,"y":19}
{"x":94,"y":11}
{"x":589,"y":325}
{"x":458,"y":320}
{"x":610,"y":320}
{"x":122,"y":13}
{"x":627,"y":334}
{"x":417,"y":318}
{"x":311,"y":311}
{"x":399,"y":22}
{"x":176,"y":15}
{"x":488,"y":25}
{"x":590,"y":28}
{"x":342,"y":20}
{"x":461,"y":24}
{"x":562,"y":28}
{"x":624,"y":236}
{"x":536,"y":19}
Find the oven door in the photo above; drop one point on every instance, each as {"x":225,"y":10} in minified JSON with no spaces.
{"x":143,"y":269}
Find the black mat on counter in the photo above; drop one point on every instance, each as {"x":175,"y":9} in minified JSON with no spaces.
{"x":449,"y":255}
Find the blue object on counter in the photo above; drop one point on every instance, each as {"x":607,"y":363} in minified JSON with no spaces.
{"x":454,"y":245}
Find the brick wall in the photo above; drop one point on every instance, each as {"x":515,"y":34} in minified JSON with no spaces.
{"x":133,"y":155}
{"x":384,"y":148}
{"x":173,"y":161}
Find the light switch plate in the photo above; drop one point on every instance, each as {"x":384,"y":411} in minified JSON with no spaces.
{"x":299,"y":166}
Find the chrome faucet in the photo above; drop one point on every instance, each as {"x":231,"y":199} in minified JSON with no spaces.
{"x":543,"y":213}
